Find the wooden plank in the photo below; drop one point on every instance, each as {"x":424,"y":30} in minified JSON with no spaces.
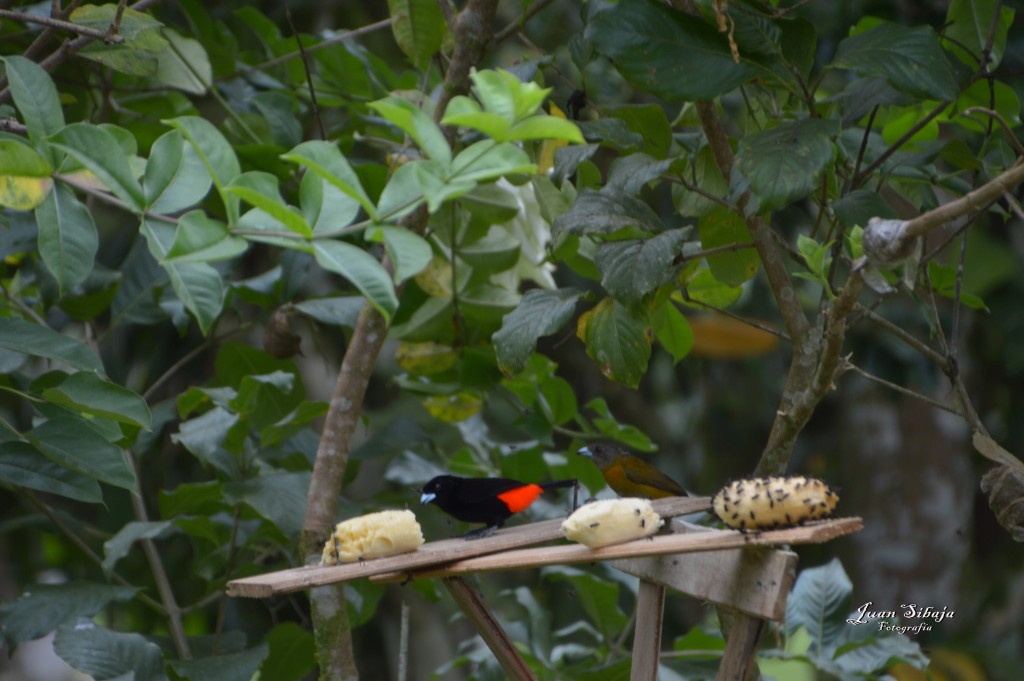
{"x":739,"y":659}
{"x":490,"y":630}
{"x":433,"y":553}
{"x":650,"y":614}
{"x":567,"y":554}
{"x":752,"y":581}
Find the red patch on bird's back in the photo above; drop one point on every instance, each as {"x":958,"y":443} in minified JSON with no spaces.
{"x":520,"y":498}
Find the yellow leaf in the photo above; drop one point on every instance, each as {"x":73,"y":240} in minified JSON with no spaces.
{"x":20,"y":192}
{"x":436,"y":278}
{"x":452,"y":408}
{"x":546,"y":158}
{"x":720,"y":337}
{"x":426,"y":358}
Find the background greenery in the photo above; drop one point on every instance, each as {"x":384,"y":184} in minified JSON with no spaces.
{"x":187,"y":264}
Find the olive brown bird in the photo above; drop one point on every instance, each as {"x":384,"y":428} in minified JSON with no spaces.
{"x":630,"y":476}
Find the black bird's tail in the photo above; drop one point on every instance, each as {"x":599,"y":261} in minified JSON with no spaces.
{"x":556,"y":484}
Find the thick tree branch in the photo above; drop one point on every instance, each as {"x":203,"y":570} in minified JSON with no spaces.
{"x":330,"y":614}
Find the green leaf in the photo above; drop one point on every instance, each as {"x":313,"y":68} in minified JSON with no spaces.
{"x":118,"y":546}
{"x":37,"y":100}
{"x":502,"y":92}
{"x":785,"y":163}
{"x":24,"y":176}
{"x":723,"y":227}
{"x":672,"y":330}
{"x":137,"y":55}
{"x":216,"y":153}
{"x":418,"y":125}
{"x":87,"y":393}
{"x":409,"y":252}
{"x":967,"y":32}
{"x":859,"y":206}
{"x":604,"y":213}
{"x":22,"y":465}
{"x":240,"y":666}
{"x":464,"y":112}
{"x":491,"y":204}
{"x":419,"y":29}
{"x":820,"y":603}
{"x":650,"y":122}
{"x":910,"y":59}
{"x":198,"y":286}
{"x":497,"y":251}
{"x":539,"y":313}
{"x":702,"y":287}
{"x":598,"y":597}
{"x":193,"y":498}
{"x":486,"y":160}
{"x":68,"y":241}
{"x":38,"y":341}
{"x":403,"y":192}
{"x":98,"y":150}
{"x":176,"y":177}
{"x":487,"y":302}
{"x":703,"y":173}
{"x":634,"y":268}
{"x":292,"y":653}
{"x":544,"y":127}
{"x":43,"y":607}
{"x":261,"y":190}
{"x":629,"y":174}
{"x":184,"y":64}
{"x":618,"y":338}
{"x":71,"y":442}
{"x":324,"y":206}
{"x":198,"y":238}
{"x":361,"y":269}
{"x":668,"y":52}
{"x":106,"y":654}
{"x":325,"y":159}
{"x":338,"y":311}
{"x":204,"y":437}
{"x":280,"y":498}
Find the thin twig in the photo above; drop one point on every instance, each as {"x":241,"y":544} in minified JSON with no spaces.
{"x":859,"y":179}
{"x":864,"y":141}
{"x":156,"y":566}
{"x":333,"y":40}
{"x":899,"y":332}
{"x":60,"y":24}
{"x":306,"y":69}
{"x":900,"y":389}
{"x":516,"y":25}
{"x":403,"y":639}
{"x":77,"y":540}
{"x":1018,"y":147}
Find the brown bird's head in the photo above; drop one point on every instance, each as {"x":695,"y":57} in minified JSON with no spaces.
{"x":603,"y":453}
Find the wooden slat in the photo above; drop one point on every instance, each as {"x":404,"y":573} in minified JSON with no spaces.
{"x":739,"y":659}
{"x":650,"y":614}
{"x":490,"y":630}
{"x":567,"y":554}
{"x":754,"y":582}
{"x":433,"y":553}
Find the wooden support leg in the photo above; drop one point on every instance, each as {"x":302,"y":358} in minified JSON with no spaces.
{"x":490,"y":630}
{"x":738,"y":660}
{"x":650,"y":611}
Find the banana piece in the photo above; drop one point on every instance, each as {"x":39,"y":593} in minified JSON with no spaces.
{"x":767,"y":503}
{"x":611,"y":521}
{"x":375,"y":535}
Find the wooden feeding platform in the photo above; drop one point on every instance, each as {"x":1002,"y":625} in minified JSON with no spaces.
{"x":747,"y":573}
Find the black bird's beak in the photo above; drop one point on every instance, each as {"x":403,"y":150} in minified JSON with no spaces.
{"x":427,"y":497}
{"x":585,"y":451}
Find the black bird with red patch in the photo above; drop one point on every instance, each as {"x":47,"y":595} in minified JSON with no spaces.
{"x":491,"y":501}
